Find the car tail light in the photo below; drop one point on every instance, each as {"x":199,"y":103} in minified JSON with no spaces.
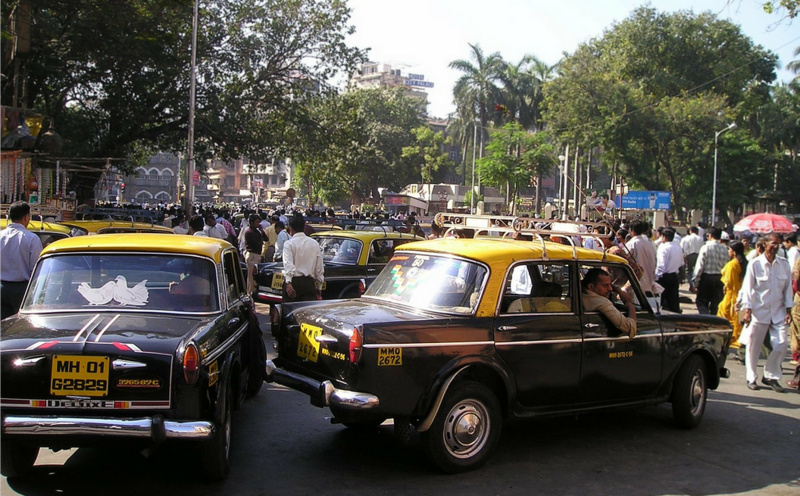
{"x":191,"y":363}
{"x":356,"y":345}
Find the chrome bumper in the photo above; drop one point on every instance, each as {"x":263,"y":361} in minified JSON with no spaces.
{"x":144,"y":427}
{"x":322,"y":393}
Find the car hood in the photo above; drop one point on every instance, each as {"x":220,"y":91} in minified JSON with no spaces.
{"x":147,"y":331}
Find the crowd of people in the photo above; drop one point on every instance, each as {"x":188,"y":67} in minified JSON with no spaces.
{"x":754,"y":287}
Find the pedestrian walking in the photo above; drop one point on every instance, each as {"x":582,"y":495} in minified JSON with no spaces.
{"x":254,"y":239}
{"x":732,"y":277}
{"x":690,"y":245}
{"x":794,"y":329}
{"x":281,"y":237}
{"x":767,"y":302}
{"x":707,"y":276}
{"x":669,"y":260}
{"x":643,"y":251}
{"x":19,"y":251}
{"x":302,"y":264}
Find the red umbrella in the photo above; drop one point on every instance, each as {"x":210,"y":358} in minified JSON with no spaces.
{"x":764,"y":224}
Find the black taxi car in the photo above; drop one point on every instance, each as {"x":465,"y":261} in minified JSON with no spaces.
{"x":455,"y":335}
{"x":129,"y":339}
{"x":352,"y":259}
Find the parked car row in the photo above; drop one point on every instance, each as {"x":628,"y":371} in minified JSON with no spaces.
{"x":126,"y":339}
{"x":352,"y":259}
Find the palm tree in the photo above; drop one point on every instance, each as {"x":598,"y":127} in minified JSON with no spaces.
{"x":794,"y":66}
{"x":476,"y":90}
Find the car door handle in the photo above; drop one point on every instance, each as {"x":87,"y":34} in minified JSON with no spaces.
{"x":591,"y":326}
{"x":507,"y":328}
{"x":324,"y":338}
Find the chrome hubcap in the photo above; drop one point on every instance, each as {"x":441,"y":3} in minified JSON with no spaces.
{"x":466,"y":428}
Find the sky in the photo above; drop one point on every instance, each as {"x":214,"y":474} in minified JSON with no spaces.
{"x":423,"y":37}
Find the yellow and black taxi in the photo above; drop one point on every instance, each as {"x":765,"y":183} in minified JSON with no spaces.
{"x":47,"y":231}
{"x":456,"y":335}
{"x":352,"y":259}
{"x":84,"y":227}
{"x":127,"y":339}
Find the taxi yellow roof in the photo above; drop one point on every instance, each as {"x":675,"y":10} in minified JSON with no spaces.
{"x":505,"y":251}
{"x":142,"y":242}
{"x":38,"y":225}
{"x":93,"y":225}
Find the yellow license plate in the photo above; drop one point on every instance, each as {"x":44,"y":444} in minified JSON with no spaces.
{"x":79,"y":375}
{"x":307,"y":344}
{"x":390,"y":356}
{"x":277,"y":281}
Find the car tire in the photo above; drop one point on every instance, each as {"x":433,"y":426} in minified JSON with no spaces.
{"x":255,"y":369}
{"x":466,"y":428}
{"x":16,"y":459}
{"x":215,"y":452}
{"x":690,"y":393}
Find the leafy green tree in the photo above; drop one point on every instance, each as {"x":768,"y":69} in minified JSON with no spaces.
{"x":359,"y":140}
{"x":651,"y":92}
{"x":514,"y":157}
{"x":427,"y":151}
{"x":114,"y":76}
{"x":791,"y":7}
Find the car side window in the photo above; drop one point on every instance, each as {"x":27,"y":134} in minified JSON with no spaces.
{"x":380,"y":251}
{"x":535,"y":287}
{"x":620,"y":278}
{"x":232,"y":283}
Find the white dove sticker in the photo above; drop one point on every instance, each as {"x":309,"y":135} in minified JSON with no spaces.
{"x":117,"y":290}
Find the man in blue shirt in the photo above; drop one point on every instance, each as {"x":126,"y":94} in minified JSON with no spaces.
{"x":19,"y":251}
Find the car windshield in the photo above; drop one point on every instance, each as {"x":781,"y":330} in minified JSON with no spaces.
{"x":115,"y":281}
{"x":430,"y":282}
{"x":340,"y":250}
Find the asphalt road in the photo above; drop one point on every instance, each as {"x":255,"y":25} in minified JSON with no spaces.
{"x":748,"y":443}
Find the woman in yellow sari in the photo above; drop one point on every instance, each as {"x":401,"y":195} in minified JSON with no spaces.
{"x":732,"y":276}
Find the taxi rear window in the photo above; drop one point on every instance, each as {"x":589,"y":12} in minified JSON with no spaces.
{"x":123,"y":281}
{"x":430,"y":282}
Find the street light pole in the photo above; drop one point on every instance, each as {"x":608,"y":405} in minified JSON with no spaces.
{"x":190,"y":168}
{"x":472,"y":191}
{"x":717,"y":134}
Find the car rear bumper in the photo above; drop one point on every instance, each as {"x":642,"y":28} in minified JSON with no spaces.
{"x":266,"y":297}
{"x":322,"y":393}
{"x":155,"y":428}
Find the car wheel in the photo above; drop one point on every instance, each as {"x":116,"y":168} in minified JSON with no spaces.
{"x":16,"y":460}
{"x":466,"y":428}
{"x":216,"y":451}
{"x":689,"y":393}
{"x":255,"y":369}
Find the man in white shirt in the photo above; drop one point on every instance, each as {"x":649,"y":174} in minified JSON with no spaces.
{"x":669,"y":259}
{"x":281,"y":237}
{"x":197,"y":226}
{"x":643,"y":251}
{"x":213,"y":229}
{"x":690,"y":245}
{"x":19,"y":251}
{"x":767,"y":301}
{"x":302,"y":264}
{"x":605,"y":205}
